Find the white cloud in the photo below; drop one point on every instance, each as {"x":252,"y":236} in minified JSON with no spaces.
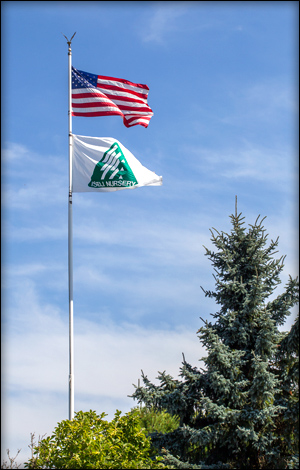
{"x":161,"y":241}
{"x":162,"y":21}
{"x":168,"y":17}
{"x":108,"y":360}
{"x":32,"y":180}
{"x":262,"y":164}
{"x":38,"y":194}
{"x":14,"y":152}
{"x":38,"y":232}
{"x":23,"y":270}
{"x":270,"y":102}
{"x":248,"y":162}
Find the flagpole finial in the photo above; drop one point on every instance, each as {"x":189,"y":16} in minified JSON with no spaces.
{"x":69,"y":41}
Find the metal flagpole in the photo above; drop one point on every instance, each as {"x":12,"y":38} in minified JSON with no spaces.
{"x":70,"y":244}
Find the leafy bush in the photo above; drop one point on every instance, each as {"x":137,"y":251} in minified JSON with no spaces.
{"x":89,"y":441}
{"x":160,"y":421}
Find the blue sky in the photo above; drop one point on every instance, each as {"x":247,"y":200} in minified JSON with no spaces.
{"x":223,"y":88}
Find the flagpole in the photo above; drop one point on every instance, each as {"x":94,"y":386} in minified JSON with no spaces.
{"x":70,"y":244}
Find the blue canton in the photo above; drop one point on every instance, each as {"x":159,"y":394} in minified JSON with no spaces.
{"x":83,"y":79}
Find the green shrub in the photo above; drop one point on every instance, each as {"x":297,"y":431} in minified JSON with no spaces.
{"x":89,"y":441}
{"x":160,"y":421}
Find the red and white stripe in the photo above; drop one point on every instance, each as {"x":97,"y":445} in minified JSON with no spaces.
{"x":113,"y":96}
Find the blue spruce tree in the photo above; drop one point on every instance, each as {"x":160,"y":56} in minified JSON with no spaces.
{"x":241,"y":410}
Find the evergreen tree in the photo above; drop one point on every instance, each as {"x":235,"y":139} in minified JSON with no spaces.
{"x":286,"y":366}
{"x":240,"y":411}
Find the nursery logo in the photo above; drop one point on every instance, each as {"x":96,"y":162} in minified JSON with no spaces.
{"x":112,"y":170}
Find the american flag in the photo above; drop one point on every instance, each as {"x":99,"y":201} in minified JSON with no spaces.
{"x":98,"y":95}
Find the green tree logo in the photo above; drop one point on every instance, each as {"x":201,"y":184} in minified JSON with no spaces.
{"x":113,"y":170}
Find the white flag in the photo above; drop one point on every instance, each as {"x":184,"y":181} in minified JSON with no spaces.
{"x":104,"y":164}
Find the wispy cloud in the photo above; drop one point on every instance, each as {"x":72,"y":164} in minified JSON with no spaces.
{"x":35,"y":232}
{"x":265,"y":102}
{"x":162,"y":21}
{"x":247,"y":161}
{"x":31,"y":179}
{"x":108,"y":360}
{"x":14,"y":152}
{"x":177,"y":17}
